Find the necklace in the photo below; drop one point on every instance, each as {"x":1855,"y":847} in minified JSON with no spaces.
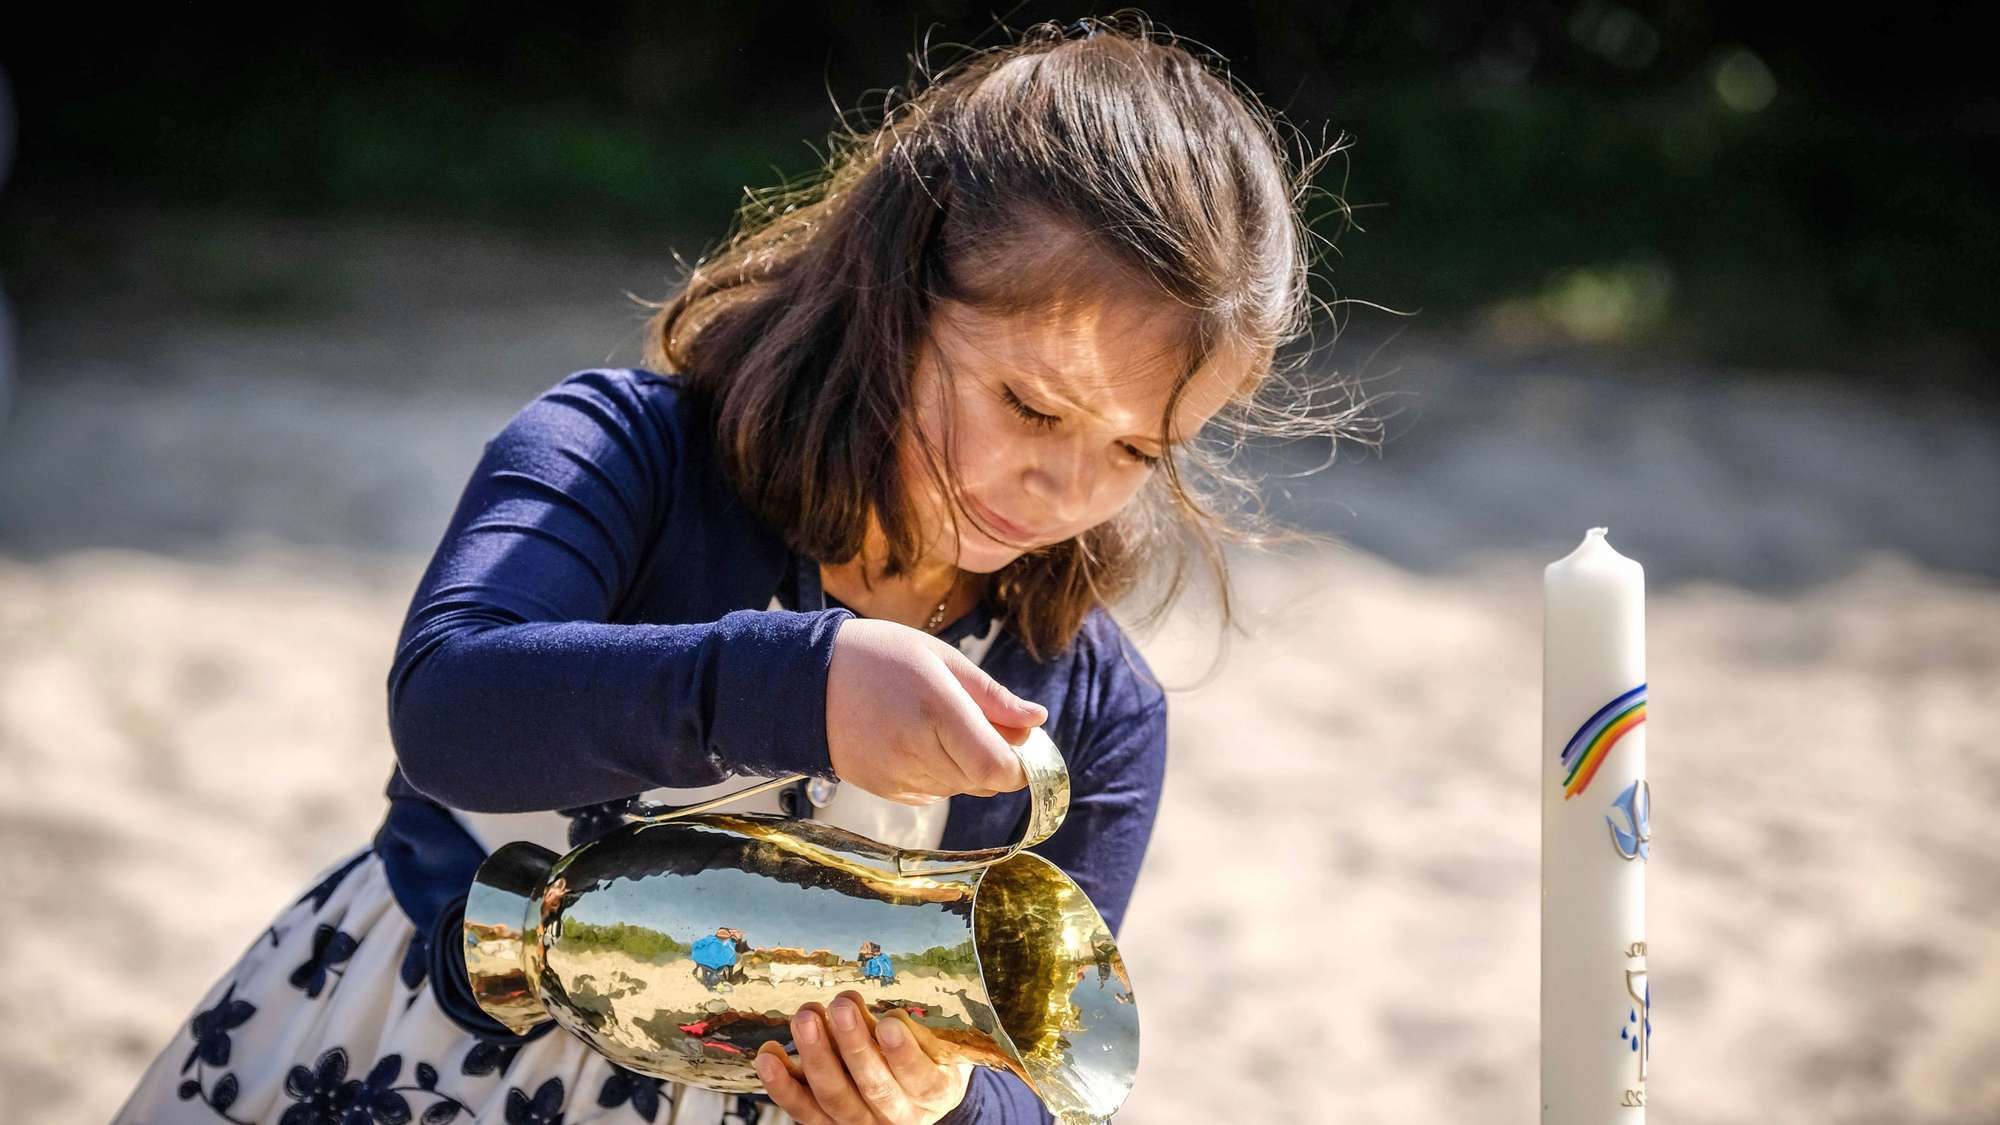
{"x":937,"y":615}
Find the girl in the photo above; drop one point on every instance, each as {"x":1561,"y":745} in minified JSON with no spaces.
{"x":897,"y":445}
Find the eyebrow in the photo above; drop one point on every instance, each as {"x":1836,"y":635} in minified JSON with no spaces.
{"x":1063,"y":400}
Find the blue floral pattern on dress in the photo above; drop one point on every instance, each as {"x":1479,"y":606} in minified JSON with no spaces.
{"x":378,"y":1100}
{"x":330,"y":948}
{"x":218,"y":1099}
{"x":324,"y":1094}
{"x":642,"y":1090}
{"x":487,"y":1056}
{"x":545,"y":1108}
{"x":211,"y":1029}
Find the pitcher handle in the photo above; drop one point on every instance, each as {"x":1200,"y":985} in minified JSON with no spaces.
{"x":643,"y":810}
{"x":1048,"y":804}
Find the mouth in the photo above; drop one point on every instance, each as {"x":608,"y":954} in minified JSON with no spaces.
{"x":1006,"y":527}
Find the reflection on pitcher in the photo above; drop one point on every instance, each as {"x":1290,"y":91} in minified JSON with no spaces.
{"x":715,"y":958}
{"x":876,"y":965}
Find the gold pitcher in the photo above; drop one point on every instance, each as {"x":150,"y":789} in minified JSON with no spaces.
{"x":678,"y":943}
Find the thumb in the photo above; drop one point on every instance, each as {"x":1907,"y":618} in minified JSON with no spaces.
{"x":1001,"y":707}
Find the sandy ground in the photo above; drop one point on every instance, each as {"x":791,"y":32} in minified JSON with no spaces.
{"x":209,"y":528}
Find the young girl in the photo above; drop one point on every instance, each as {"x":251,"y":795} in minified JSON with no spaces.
{"x":898,"y":444}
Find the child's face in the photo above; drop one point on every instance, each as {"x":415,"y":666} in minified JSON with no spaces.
{"x":1103,"y":368}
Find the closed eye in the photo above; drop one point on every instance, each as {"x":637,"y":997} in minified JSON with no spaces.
{"x":1050,"y":421}
{"x":1036,"y":417}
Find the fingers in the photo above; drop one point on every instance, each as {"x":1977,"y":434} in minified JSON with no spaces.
{"x":833,"y":1092}
{"x":1014,"y":736}
{"x":908,"y":1046}
{"x":982,"y":756}
{"x":1000,"y":706}
{"x":1008,"y":715}
{"x":867,"y":1068}
{"x":785,"y":1082}
{"x":853,"y":1067}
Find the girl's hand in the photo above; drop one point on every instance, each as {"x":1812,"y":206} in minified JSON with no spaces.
{"x":857,"y":1070}
{"x":912,"y":719}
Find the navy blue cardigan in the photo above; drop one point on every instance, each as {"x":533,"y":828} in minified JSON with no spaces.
{"x":593,"y":624}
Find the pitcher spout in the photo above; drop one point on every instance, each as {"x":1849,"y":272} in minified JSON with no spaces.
{"x":1058,"y":987}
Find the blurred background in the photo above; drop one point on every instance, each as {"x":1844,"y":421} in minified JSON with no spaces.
{"x":1705,"y":274}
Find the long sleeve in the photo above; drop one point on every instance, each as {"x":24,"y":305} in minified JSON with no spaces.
{"x":512,"y":690}
{"x":995,"y":1097}
{"x":1115,"y":799}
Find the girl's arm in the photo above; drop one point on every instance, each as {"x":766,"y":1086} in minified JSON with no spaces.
{"x":1114,"y":798}
{"x":510,"y":691}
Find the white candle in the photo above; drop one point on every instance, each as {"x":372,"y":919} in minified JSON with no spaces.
{"x":1596,"y":828}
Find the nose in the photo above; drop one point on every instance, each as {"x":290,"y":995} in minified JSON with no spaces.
{"x":1061,"y":478}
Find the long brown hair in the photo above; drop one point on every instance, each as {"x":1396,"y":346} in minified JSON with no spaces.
{"x":1093,"y":156}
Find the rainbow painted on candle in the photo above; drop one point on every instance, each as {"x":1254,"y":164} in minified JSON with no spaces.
{"x":1593,"y":741}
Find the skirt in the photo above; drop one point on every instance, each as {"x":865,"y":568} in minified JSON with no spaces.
{"x":326,"y":1018}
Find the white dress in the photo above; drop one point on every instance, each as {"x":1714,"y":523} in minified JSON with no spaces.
{"x":326,"y":1017}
